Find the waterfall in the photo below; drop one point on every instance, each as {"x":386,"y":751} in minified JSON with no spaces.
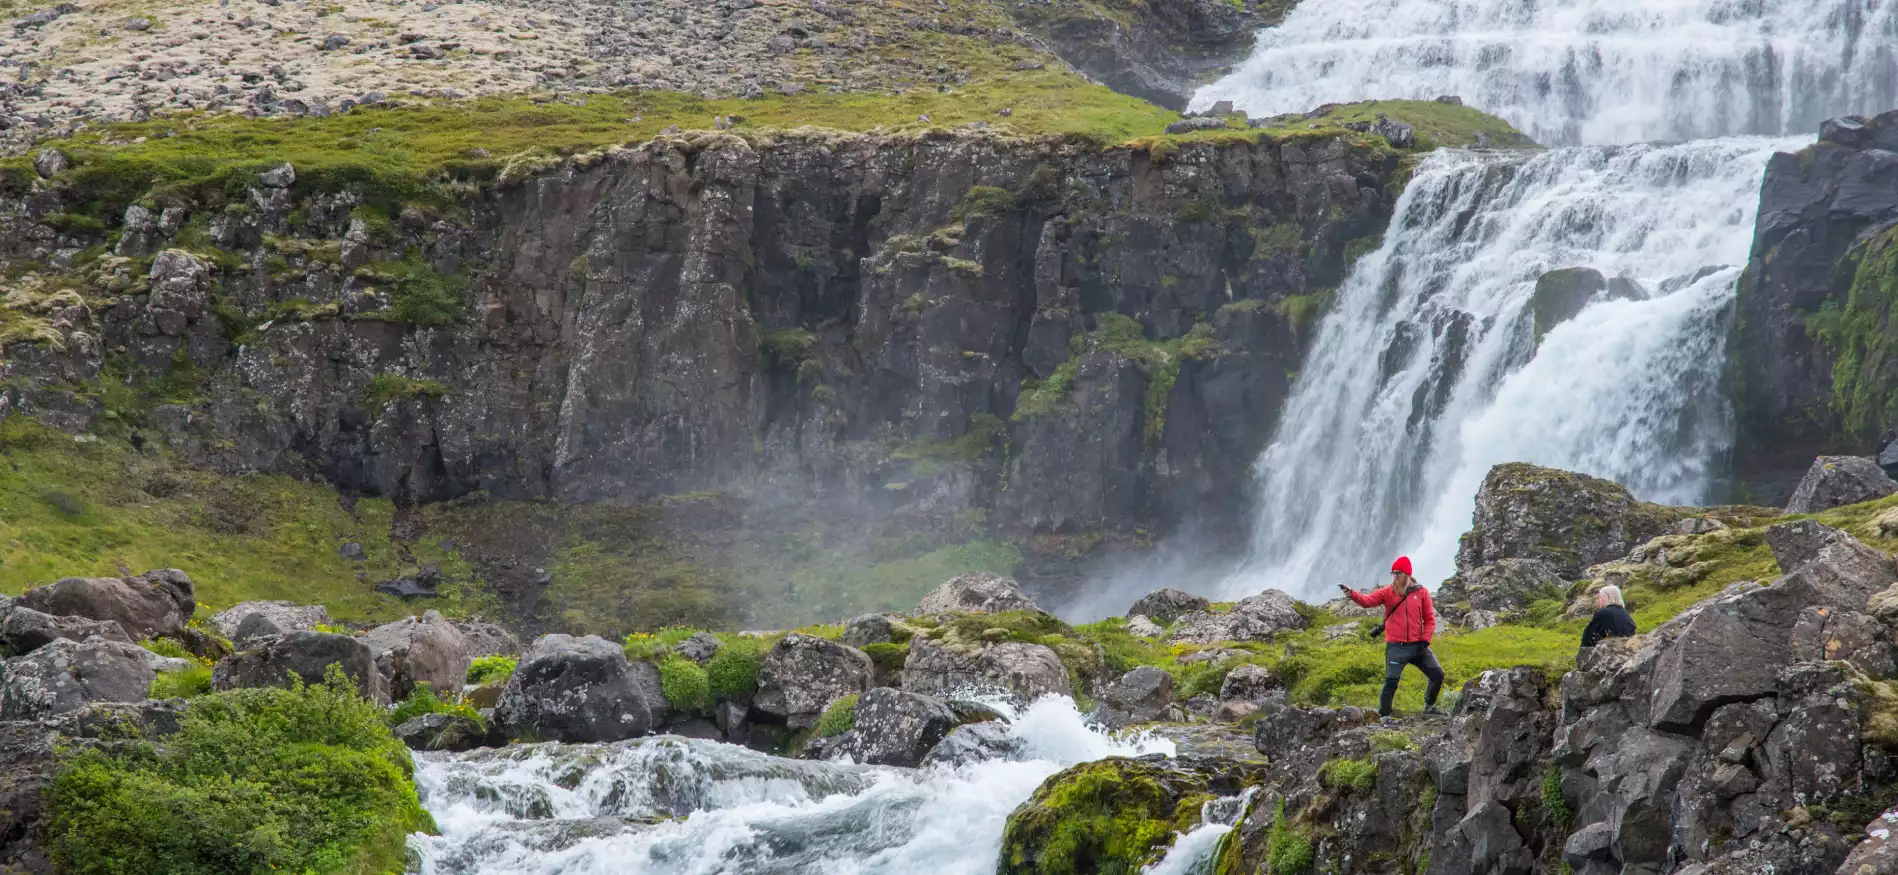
{"x":672,"y":806}
{"x":1585,"y":71}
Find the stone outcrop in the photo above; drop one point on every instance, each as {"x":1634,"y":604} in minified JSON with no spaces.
{"x":64,"y":675}
{"x":24,"y":630}
{"x":147,"y":606}
{"x":1836,"y":481}
{"x":979,"y":593}
{"x":425,"y":650}
{"x":573,"y":690}
{"x":286,"y":616}
{"x":1139,"y":696}
{"x":803,"y":674}
{"x":1024,"y":671}
{"x":1166,"y":605}
{"x":1255,"y":618}
{"x":1567,"y":521}
{"x":894,"y":728}
{"x":285,"y":659}
{"x":1502,"y":586}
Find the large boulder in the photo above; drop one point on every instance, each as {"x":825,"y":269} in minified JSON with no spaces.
{"x":974,"y":743}
{"x":1569,"y":521}
{"x":1139,"y":696}
{"x":24,"y":630}
{"x":1025,"y":672}
{"x":286,"y":658}
{"x":980,"y":593}
{"x":1166,"y":605}
{"x":867,"y":630}
{"x":894,"y":728}
{"x":1836,"y":481}
{"x":1250,"y":683}
{"x":415,"y":651}
{"x":803,"y":674}
{"x":482,"y":638}
{"x":573,"y":690}
{"x":1145,"y":797}
{"x":286,"y":616}
{"x":449,"y":732}
{"x":1505,"y":585}
{"x":1846,"y":572}
{"x":150,"y":605}
{"x":64,"y":675}
{"x":1257,"y":618}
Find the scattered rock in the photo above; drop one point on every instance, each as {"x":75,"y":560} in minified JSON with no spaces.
{"x":413,"y":652}
{"x":1257,"y":618}
{"x":64,"y":675}
{"x":1166,"y":605}
{"x":287,"y":616}
{"x":803,"y":674}
{"x":486,"y":639}
{"x":1139,"y":625}
{"x":443,"y":732}
{"x":895,"y":728}
{"x":573,"y":690}
{"x":49,"y":163}
{"x":334,"y":41}
{"x":277,"y":662}
{"x":282,"y":176}
{"x":254,"y":628}
{"x":975,"y":743}
{"x":980,"y":593}
{"x":1837,"y":481}
{"x":1251,"y":683}
{"x":1139,"y":696}
{"x":25,"y":630}
{"x":152,"y":605}
{"x":699,"y":648}
{"x":867,"y":630}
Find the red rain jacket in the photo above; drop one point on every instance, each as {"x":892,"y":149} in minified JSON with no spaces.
{"x":1414,"y":621}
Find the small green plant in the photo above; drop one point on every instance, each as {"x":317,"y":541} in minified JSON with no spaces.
{"x":654,"y":646}
{"x":685,"y":684}
{"x":1388,"y":741}
{"x":732,"y":672}
{"x":1553,"y":801}
{"x":1288,"y":851}
{"x":1348,"y":774}
{"x":839,"y":718}
{"x":391,"y":387}
{"x":424,"y":701}
{"x":986,"y":200}
{"x":491,"y":668}
{"x":193,"y":681}
{"x":168,"y":647}
{"x":330,"y":629}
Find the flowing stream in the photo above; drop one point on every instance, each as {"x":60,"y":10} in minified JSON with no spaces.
{"x":1427,"y":371}
{"x":674,"y":806}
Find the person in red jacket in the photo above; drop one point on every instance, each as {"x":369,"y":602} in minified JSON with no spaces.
{"x":1410,"y":621}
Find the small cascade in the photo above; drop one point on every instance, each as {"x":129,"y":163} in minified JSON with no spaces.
{"x":1195,"y":850}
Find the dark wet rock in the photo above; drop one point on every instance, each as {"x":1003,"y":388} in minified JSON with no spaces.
{"x":1285,"y":730}
{"x":1836,"y":481}
{"x":1561,"y":294}
{"x":803,"y":674}
{"x":24,"y":630}
{"x":1163,"y":606}
{"x":979,"y":592}
{"x":417,"y":651}
{"x":443,"y":732}
{"x":64,"y":675}
{"x":286,"y":658}
{"x":1139,"y":696}
{"x":573,"y":690}
{"x":1568,"y":521}
{"x":152,"y":605}
{"x":1256,"y":618}
{"x":419,"y":585}
{"x":894,"y":728}
{"x":974,"y":743}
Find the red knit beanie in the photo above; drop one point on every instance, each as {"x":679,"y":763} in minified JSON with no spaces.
{"x":1402,"y":564}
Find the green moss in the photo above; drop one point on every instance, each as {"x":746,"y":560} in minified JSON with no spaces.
{"x":1288,"y":850}
{"x":1303,"y":311}
{"x":1275,"y":240}
{"x":83,"y":508}
{"x":1112,"y":817}
{"x":391,"y":387}
{"x":424,"y":701}
{"x":786,"y":347}
{"x":983,"y":201}
{"x":486,"y":669}
{"x":193,"y":681}
{"x":685,"y":684}
{"x":419,"y":294}
{"x":1348,"y":774}
{"x":654,"y":646}
{"x":979,"y":439}
{"x":732,"y":672}
{"x":305,"y":780}
{"x":1554,"y":804}
{"x":1435,"y":124}
{"x":1390,"y":742}
{"x":888,"y":657}
{"x":1858,"y":336}
{"x":840,"y":717}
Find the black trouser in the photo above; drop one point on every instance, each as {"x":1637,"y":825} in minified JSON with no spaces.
{"x":1396,"y":656}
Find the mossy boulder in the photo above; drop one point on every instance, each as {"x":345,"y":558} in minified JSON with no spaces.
{"x":1568,"y":521}
{"x":1115,"y":815}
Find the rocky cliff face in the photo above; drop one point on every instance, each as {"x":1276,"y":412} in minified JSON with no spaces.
{"x":1160,"y":50}
{"x":1813,"y":367}
{"x":1022,"y":335}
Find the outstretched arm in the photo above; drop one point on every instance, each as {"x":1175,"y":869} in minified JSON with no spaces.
{"x":1372,"y":599}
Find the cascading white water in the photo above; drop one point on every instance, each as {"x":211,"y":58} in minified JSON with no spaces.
{"x":1585,"y":71}
{"x":674,"y":806}
{"x":1417,"y":382}
{"x":1427,"y":373}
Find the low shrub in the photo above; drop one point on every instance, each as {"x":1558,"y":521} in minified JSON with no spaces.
{"x":732,"y":672}
{"x":1347,"y":774}
{"x":491,"y":668}
{"x":839,"y":718}
{"x":193,"y":681}
{"x":306,"y":780}
{"x":685,"y":684}
{"x":1288,"y":851}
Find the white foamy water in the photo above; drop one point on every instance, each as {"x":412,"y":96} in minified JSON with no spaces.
{"x":1426,"y":372}
{"x":1585,"y":71}
{"x":674,"y":806}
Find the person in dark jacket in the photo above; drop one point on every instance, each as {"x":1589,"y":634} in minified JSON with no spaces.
{"x":1611,"y":618}
{"x":1410,"y":621}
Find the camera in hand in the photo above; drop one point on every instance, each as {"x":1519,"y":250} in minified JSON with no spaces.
{"x":1376,"y":630}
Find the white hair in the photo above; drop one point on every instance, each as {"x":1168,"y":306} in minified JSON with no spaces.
{"x":1612,"y":594}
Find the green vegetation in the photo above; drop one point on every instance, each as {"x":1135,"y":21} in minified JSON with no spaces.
{"x":390,"y":387}
{"x":84,"y":506}
{"x":888,"y":658}
{"x":418,"y":293}
{"x":1289,"y":850}
{"x":980,"y":438}
{"x":685,"y":685}
{"x":1303,"y":311}
{"x":193,"y":681}
{"x":732,"y":672}
{"x":1858,"y":335}
{"x":424,"y":701}
{"x":1111,"y":816}
{"x":838,"y":718}
{"x":1554,"y":804}
{"x":305,"y":780}
{"x":1436,"y":124}
{"x":1391,"y":742}
{"x":1348,"y":774}
{"x":983,"y":201}
{"x":1158,"y":361}
{"x":491,"y":668}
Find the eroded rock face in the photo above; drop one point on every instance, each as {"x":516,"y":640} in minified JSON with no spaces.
{"x":1025,"y":671}
{"x":1567,"y":521}
{"x":1166,"y":605}
{"x":573,"y":690}
{"x":1256,"y":618}
{"x":978,"y":593}
{"x":150,"y":605}
{"x":894,"y":728}
{"x":1836,"y":481}
{"x":287,"y":616}
{"x":803,"y":674}
{"x":426,"y":650}
{"x":64,"y":675}
{"x":279,"y":660}
{"x":1487,"y":767}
